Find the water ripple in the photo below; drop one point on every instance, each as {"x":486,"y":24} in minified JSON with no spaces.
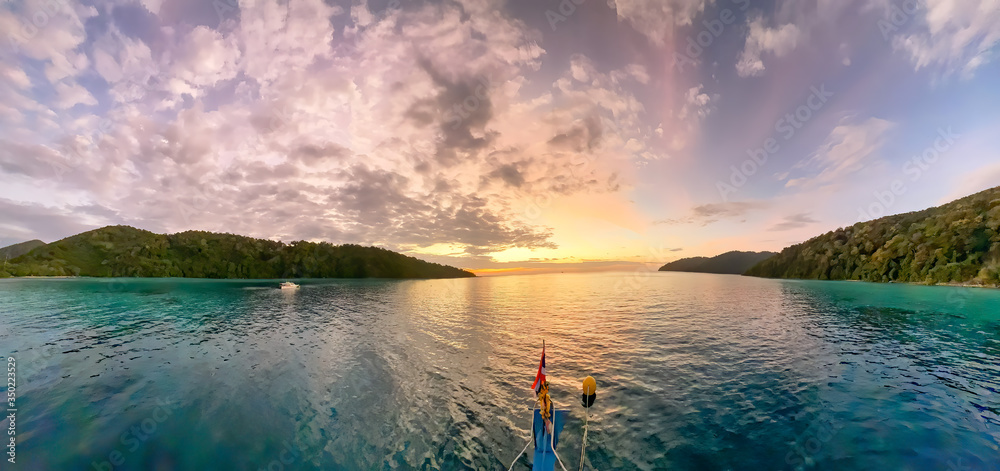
{"x":695,"y":372}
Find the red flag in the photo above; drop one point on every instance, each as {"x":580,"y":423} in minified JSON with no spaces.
{"x":540,"y":377}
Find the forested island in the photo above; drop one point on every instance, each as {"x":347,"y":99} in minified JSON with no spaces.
{"x":733,"y":263}
{"x":958,"y":242}
{"x":16,"y":250}
{"x":122,"y":251}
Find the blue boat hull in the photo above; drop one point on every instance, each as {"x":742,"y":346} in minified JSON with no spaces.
{"x":545,"y":458}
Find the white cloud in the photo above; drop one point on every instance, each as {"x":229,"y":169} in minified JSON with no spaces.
{"x":203,"y":58}
{"x":106,"y":65}
{"x":683,"y":124}
{"x":958,"y":36}
{"x":152,"y":5}
{"x":951,"y":36}
{"x":639,"y":73}
{"x":697,"y":103}
{"x":762,"y":39}
{"x":13,"y":75}
{"x":581,"y":68}
{"x":416,"y":127}
{"x":848,"y":149}
{"x":656,"y":19}
{"x":282,"y":38}
{"x":127,"y":65}
{"x":69,"y":95}
{"x":48,"y":31}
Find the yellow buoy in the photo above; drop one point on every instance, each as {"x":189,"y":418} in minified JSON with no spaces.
{"x":589,"y":391}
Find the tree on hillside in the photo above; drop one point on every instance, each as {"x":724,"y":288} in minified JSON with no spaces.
{"x":956,"y":242}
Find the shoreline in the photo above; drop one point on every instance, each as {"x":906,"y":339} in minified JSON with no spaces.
{"x":43,"y":277}
{"x":69,"y":277}
{"x":951,"y":284}
{"x":964,"y":284}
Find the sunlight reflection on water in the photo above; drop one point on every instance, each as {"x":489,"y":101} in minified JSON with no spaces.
{"x":694,"y":372}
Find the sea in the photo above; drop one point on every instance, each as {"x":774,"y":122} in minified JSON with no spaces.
{"x":693,"y":372}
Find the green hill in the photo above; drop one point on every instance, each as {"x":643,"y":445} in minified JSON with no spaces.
{"x":128,"y":252}
{"x":16,"y":250}
{"x":734,"y":263}
{"x":958,"y":242}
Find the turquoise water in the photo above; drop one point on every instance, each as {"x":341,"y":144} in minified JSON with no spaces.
{"x":694,"y":372}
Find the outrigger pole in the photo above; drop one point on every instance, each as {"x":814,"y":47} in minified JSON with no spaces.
{"x":588,"y":398}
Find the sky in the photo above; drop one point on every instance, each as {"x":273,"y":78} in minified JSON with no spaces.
{"x":495,"y":135}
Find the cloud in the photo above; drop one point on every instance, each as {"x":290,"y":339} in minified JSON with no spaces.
{"x":957,"y":36}
{"x":697,"y":103}
{"x":762,"y":39}
{"x":14,"y":75}
{"x":848,"y":149}
{"x":129,"y":68}
{"x":435,"y":123}
{"x":47,"y":31}
{"x":71,"y":94}
{"x":280,"y":39}
{"x":639,"y":72}
{"x":683,"y":124}
{"x":412,"y":128}
{"x":656,"y":19}
{"x":152,"y":5}
{"x":730,"y":209}
{"x":34,"y":161}
{"x":794,"y":221}
{"x":791,"y":24}
{"x":391,"y":214}
{"x":202,"y":58}
{"x":20,"y":222}
{"x":709,"y":213}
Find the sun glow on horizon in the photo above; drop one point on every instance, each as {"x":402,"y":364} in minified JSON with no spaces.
{"x":504,"y":142}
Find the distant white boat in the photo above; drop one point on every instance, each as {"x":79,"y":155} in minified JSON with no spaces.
{"x":289,"y":285}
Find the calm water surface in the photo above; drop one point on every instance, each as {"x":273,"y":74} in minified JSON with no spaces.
{"x":695,"y":372}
